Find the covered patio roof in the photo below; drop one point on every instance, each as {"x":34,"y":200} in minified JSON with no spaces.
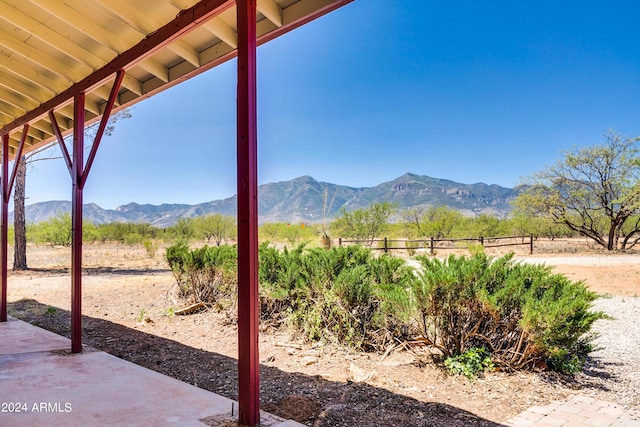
{"x":66,"y":64}
{"x":51,"y":50}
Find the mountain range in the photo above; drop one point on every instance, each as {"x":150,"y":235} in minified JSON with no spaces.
{"x":304,"y":199}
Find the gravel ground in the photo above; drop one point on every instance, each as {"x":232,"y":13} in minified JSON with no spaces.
{"x":613,"y":372}
{"x":599,"y":260}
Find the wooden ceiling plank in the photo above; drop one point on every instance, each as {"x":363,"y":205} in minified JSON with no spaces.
{"x":37,"y":57}
{"x":271,"y":10}
{"x":50,"y":37}
{"x":130,"y":15}
{"x":31,"y":91}
{"x":221,"y":30}
{"x":186,"y":52}
{"x":101,"y":92}
{"x":132,"y":84}
{"x":68,"y":12}
{"x":34,"y":133}
{"x":11,"y":110}
{"x":33,"y":75}
{"x":92,"y":107}
{"x":43,"y":127}
{"x":17,"y":100}
{"x":156,"y":68}
{"x":4,"y":117}
{"x":181,"y":4}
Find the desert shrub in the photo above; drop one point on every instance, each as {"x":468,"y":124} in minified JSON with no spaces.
{"x":207,"y":274}
{"x":524,"y":314}
{"x":150,"y":247}
{"x":342,"y":294}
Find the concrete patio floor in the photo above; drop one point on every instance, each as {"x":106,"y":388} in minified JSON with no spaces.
{"x":41,"y":384}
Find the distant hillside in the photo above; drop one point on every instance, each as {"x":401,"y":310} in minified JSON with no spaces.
{"x":301,"y":200}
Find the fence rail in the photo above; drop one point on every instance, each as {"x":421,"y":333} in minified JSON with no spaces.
{"x":432,"y":243}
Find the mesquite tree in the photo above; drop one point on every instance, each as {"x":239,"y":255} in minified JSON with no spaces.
{"x":595,"y":191}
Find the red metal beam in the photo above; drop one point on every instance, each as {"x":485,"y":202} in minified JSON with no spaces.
{"x":63,"y":148}
{"x":247,"y":171}
{"x":103,"y":124}
{"x":183,"y":23}
{"x":4,"y":223}
{"x":23,"y":139}
{"x":76,"y":223}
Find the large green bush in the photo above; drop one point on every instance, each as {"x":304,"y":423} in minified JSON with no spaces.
{"x":524,"y":315}
{"x":343,"y":294}
{"x":207,"y":274}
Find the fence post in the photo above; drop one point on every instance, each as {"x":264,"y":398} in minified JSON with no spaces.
{"x":339,"y":241}
{"x":531,"y":244}
{"x":481,"y":241}
{"x":386,"y":248}
{"x":431,"y":246}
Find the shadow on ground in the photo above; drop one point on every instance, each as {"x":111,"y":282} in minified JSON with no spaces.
{"x":312,"y":400}
{"x":93,"y":271}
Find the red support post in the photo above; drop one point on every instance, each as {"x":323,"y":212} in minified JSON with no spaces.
{"x":76,"y":222}
{"x":247,"y":181}
{"x":4,"y":223}
{"x":7,"y":185}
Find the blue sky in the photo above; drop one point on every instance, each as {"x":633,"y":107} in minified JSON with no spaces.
{"x":463,"y":90}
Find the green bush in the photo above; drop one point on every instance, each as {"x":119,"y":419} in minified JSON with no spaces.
{"x":523,"y":314}
{"x":477,"y":310}
{"x":342,"y":294}
{"x":207,"y":274}
{"x":125,"y":232}
{"x":55,"y":231}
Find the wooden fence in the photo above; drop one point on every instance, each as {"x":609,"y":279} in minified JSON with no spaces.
{"x":432,"y":243}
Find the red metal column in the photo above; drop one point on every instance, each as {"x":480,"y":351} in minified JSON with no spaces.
{"x":248,"y":361}
{"x":7,"y":185}
{"x":76,"y":223}
{"x":5,"y":223}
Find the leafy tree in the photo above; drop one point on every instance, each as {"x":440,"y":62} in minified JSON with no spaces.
{"x":441,"y":221}
{"x":595,"y":191}
{"x":217,"y":227}
{"x":55,"y":231}
{"x":124,"y":232}
{"x":485,"y":225}
{"x":288,"y":232}
{"x":366,"y":223}
{"x":435,"y":221}
{"x":522,"y":224}
{"x":184,"y":229}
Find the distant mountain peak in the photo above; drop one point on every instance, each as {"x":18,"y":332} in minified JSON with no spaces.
{"x":301,"y":200}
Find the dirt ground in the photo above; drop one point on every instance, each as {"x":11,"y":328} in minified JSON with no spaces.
{"x":128,"y":311}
